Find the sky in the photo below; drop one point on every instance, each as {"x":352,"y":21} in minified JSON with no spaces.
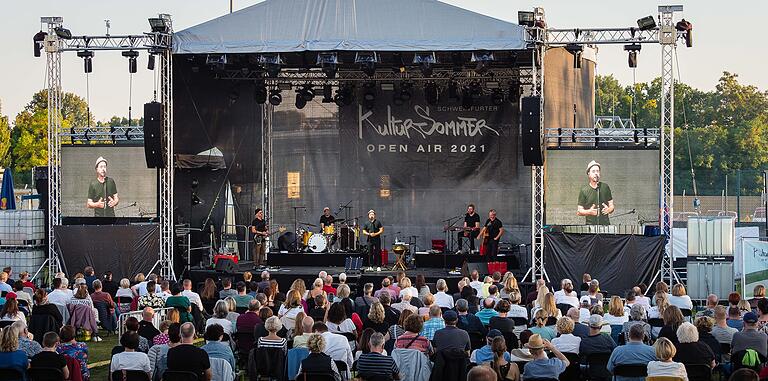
{"x":21,"y":75}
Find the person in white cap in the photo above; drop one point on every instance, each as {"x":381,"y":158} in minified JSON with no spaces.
{"x":595,"y":199}
{"x":102,"y":192}
{"x":373,"y":230}
{"x":327,"y":226}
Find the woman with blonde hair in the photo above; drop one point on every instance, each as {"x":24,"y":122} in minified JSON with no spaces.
{"x":299,"y":286}
{"x":567,"y":341}
{"x":10,"y":354}
{"x":375,"y":319}
{"x":666,"y":367}
{"x":679,"y":298}
{"x":317,"y":362}
{"x":540,"y":294}
{"x":406,"y":288}
{"x":661,"y":303}
{"x":504,"y":369}
{"x":125,"y":289}
{"x":288,"y":310}
{"x":428,"y":300}
{"x":616,"y":314}
{"x":673,"y":318}
{"x":317,"y":289}
{"x":540,"y":321}
{"x":509,"y":283}
{"x":548,"y":305}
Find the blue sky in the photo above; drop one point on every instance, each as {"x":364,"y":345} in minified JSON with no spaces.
{"x":720,"y":43}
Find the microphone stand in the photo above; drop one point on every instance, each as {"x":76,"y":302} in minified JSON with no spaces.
{"x":449,"y":238}
{"x":296,"y":226}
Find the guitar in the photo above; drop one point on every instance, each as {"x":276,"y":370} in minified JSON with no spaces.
{"x":259,"y":239}
{"x":486,"y":238}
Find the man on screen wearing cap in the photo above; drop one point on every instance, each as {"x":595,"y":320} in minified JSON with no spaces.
{"x":102,"y":192}
{"x":373,"y":230}
{"x":595,"y":199}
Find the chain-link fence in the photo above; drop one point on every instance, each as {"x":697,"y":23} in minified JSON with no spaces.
{"x":739,"y":193}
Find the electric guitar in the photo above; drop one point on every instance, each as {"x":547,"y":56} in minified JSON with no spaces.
{"x":259,"y":238}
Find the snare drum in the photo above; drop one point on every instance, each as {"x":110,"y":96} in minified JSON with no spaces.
{"x":329,"y":230}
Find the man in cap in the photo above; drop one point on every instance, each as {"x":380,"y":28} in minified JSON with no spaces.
{"x":596,"y":342}
{"x":485,"y":354}
{"x":543,"y":367}
{"x":595,"y":199}
{"x":102,"y":192}
{"x":451,"y":337}
{"x":750,"y":337}
{"x":373,"y":230}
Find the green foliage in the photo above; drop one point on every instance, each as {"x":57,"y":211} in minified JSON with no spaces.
{"x":5,"y":138}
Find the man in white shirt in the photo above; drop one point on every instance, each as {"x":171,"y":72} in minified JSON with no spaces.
{"x":443,"y":299}
{"x":141,"y":288}
{"x":405,"y":304}
{"x":191,"y":295}
{"x":476,"y":283}
{"x":60,"y":295}
{"x":640,"y":298}
{"x":566,"y":295}
{"x":336,"y":346}
{"x":165,"y":290}
{"x":130,"y":359}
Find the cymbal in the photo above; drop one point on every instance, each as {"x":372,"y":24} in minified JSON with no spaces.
{"x":339,"y":220}
{"x":308,"y":224}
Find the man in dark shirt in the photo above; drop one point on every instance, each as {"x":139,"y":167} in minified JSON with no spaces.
{"x":260,"y":234}
{"x":494,"y":230}
{"x":451,"y":337}
{"x":147,"y":330}
{"x":596,"y":342}
{"x":187,"y":357}
{"x":102,"y":192}
{"x":468,"y":321}
{"x":579,"y":329}
{"x":373,"y":229}
{"x":375,"y":364}
{"x":327,"y":219}
{"x":471,"y":228}
{"x":49,"y":358}
{"x":595,"y":198}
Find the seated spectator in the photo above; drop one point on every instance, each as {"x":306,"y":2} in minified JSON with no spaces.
{"x":162,"y":337}
{"x":132,"y":325}
{"x":248,"y":321}
{"x":504,"y":369}
{"x":704,"y":326}
{"x":124,"y":290}
{"x":385,"y":287}
{"x":319,"y":308}
{"x":428,"y":300}
{"x":11,"y":356}
{"x":585,"y":281}
{"x":181,"y":303}
{"x":443,"y":299}
{"x":709,"y":309}
{"x":364,"y":345}
{"x":502,"y":321}
{"x":264,"y":281}
{"x":629,"y":301}
{"x":24,"y":279}
{"x":290,"y":308}
{"x":548,"y":305}
{"x":595,"y":297}
{"x":232,"y":313}
{"x":272,"y":340}
{"x":398,"y":329}
{"x":679,"y":298}
{"x":48,"y":357}
{"x":338,"y":322}
{"x":391,"y":315}
{"x":411,"y":339}
{"x":303,"y":331}
{"x":744,"y":374}
{"x":616,"y":315}
{"x":375,"y":362}
{"x":596,"y":342}
{"x":635,"y":352}
{"x":226,"y":289}
{"x":318,"y":362}
{"x":530,"y":299}
{"x":734,"y":318}
{"x":661,"y":302}
{"x":242,"y":298}
{"x":637,"y":317}
{"x":328,"y":285}
{"x":750,"y":337}
{"x":434,"y":323}
{"x":584,"y":309}
{"x":43,"y":307}
{"x":158,"y":354}
{"x":487,"y":312}
{"x":209,"y":294}
{"x":60,"y":294}
{"x":541,"y":366}
{"x":367,"y":299}
{"x":188,"y":357}
{"x":672,"y":320}
{"x":10,"y":310}
{"x":18,"y":289}
{"x":220,"y":311}
{"x":29,"y":346}
{"x":130,"y":359}
{"x":721,"y":331}
{"x":485,"y":353}
{"x":76,"y":350}
{"x":762,"y":314}
{"x":108,"y":284}
{"x":566,"y":341}
{"x":406,"y":288}
{"x":451,"y":337}
{"x":147,"y":328}
{"x":579,"y":329}
{"x":665,"y":366}
{"x":566,"y":294}
{"x":468,"y":321}
{"x":194,"y":298}
{"x":405,"y":303}
{"x":4,"y":286}
{"x":375,"y":319}
{"x":336,"y":346}
{"x":508,"y":283}
{"x":214,"y":334}
{"x":759,"y":293}
{"x":640,"y":297}
{"x":540,"y":328}
{"x":150,"y":298}
{"x":482,"y":373}
{"x":515,"y":308}
{"x":100,"y":296}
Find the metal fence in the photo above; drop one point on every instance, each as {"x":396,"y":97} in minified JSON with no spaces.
{"x":160,"y":314}
{"x":738,"y":193}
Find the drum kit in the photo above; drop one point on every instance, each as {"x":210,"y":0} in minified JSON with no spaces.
{"x":339,"y":237}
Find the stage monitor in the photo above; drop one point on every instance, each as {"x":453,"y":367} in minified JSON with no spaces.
{"x":628,"y":178}
{"x":126,"y":174}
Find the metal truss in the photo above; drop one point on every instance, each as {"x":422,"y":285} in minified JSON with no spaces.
{"x":557,"y":137}
{"x":157,"y":43}
{"x":601,"y":36}
{"x":86,"y":135}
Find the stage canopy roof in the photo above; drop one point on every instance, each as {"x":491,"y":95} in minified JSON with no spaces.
{"x":282,"y":26}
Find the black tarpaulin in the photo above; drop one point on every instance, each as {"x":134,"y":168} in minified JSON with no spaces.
{"x":619,"y":262}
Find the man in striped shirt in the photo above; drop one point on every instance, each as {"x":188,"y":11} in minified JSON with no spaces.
{"x":374,"y":363}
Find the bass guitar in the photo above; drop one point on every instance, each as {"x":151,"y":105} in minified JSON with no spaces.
{"x":259,"y":238}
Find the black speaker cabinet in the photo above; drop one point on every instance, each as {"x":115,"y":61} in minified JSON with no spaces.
{"x":153,"y":137}
{"x":531,"y":131}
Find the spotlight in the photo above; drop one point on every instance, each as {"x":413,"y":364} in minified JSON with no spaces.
{"x":483,"y":61}
{"x":38,"y":39}
{"x":687,"y":27}
{"x":369,"y":95}
{"x":497,"y":97}
{"x":405,"y":92}
{"x":307,"y":92}
{"x":632,"y":49}
{"x":646,"y":23}
{"x":87,"y":56}
{"x":398,"y":65}
{"x":158,"y":25}
{"x":343,"y":96}
{"x":131,"y":55}
{"x":367,"y":62}
{"x":329,"y":63}
{"x":272,"y":64}
{"x":151,"y":58}
{"x":514,"y":92}
{"x":260,"y":93}
{"x":234,"y":95}
{"x":458,"y":61}
{"x":300,"y":101}
{"x":453,"y":90}
{"x":196,"y":200}
{"x":576,"y":50}
{"x":327,"y":93}
{"x":425,"y":62}
{"x":431,"y":93}
{"x":525,"y":18}
{"x":63,"y":32}
{"x":275,"y":98}
{"x":466,"y":97}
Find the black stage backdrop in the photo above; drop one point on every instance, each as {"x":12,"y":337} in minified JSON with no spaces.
{"x":123,"y":249}
{"x":619,"y":262}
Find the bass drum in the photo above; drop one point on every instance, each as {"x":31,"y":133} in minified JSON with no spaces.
{"x":347,"y":238}
{"x":287,"y":242}
{"x":317,"y":243}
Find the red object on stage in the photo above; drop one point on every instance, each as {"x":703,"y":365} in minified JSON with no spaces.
{"x":384,"y":256}
{"x":497,"y":266}
{"x":216,"y":258}
{"x":438,"y":245}
{"x":482,"y":249}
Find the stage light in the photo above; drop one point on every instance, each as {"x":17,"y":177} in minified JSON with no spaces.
{"x":483,"y":60}
{"x":369,"y":95}
{"x":497,"y":97}
{"x":458,"y":61}
{"x":632,"y":49}
{"x":343,"y":96}
{"x":514,"y":92}
{"x":38,"y":39}
{"x":453,"y":90}
{"x":398,"y":65}
{"x":576,"y":50}
{"x":275,"y":98}
{"x":466,"y":97}
{"x":272,"y":64}
{"x":260,"y":93}
{"x":327,"y":93}
{"x":646,"y":23}
{"x":131,"y":55}
{"x":687,"y":27}
{"x":151,"y":62}
{"x":307,"y":92}
{"x":405,"y":91}
{"x":367,"y":62}
{"x":234,"y":95}
{"x":158,"y":25}
{"x":63,"y":32}
{"x":300,"y":101}
{"x":431,"y":93}
{"x":329,"y":63}
{"x":87,"y":56}
{"x":425,"y":62}
{"x":525,"y":18}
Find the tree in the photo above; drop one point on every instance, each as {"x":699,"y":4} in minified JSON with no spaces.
{"x":5,"y":138}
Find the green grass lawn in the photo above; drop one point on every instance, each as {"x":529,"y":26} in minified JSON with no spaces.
{"x":98,"y":353}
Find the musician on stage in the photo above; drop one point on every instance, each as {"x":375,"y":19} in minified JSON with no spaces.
{"x":471,"y":228}
{"x":327,"y":226}
{"x":260,"y":234}
{"x":373,"y":230}
{"x":491,"y":232}
{"x":595,"y":199}
{"x":102,"y":192}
